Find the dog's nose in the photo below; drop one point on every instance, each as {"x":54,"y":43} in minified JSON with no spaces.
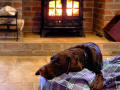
{"x":38,"y":72}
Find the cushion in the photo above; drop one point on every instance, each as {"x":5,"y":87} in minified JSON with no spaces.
{"x":6,"y":11}
{"x":81,"y":80}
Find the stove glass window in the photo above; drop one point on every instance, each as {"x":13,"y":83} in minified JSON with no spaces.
{"x":55,"y":8}
{"x":72,"y":8}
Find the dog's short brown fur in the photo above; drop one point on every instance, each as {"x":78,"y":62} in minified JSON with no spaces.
{"x":87,"y":55}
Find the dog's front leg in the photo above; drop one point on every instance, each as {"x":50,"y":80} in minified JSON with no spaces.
{"x":97,"y":83}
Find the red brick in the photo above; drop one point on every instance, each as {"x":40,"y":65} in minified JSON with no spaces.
{"x":88,"y":19}
{"x":117,"y":6}
{"x":29,"y":13}
{"x":87,"y":24}
{"x":1,"y":3}
{"x":117,"y":0}
{"x":27,"y":8}
{"x":32,"y":3}
{"x":29,"y":23}
{"x":108,"y":0}
{"x":88,"y":4}
{"x":7,"y":3}
{"x":88,"y":14}
{"x":32,"y":24}
{"x":108,"y":12}
{"x":116,"y":11}
{"x":36,"y":19}
{"x":17,"y":4}
{"x":36,"y":8}
{"x":109,"y":6}
{"x":87,"y":9}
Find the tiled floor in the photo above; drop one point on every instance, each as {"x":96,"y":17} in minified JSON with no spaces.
{"x":17,"y":72}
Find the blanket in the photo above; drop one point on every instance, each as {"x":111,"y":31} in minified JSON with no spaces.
{"x":82,"y":80}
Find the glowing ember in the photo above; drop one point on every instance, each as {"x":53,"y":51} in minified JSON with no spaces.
{"x":76,"y":4}
{"x":58,"y":12}
{"x":55,"y":8}
{"x":51,"y":12}
{"x":69,"y":12}
{"x":52,"y":4}
{"x":75,"y":12}
{"x":58,"y":4}
{"x":69,"y":3}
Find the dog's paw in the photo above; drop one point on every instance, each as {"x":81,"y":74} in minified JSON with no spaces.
{"x":97,"y":83}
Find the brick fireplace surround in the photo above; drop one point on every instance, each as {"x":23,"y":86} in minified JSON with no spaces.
{"x":97,"y":13}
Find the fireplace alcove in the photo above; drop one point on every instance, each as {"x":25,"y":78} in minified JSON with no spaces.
{"x":61,"y":16}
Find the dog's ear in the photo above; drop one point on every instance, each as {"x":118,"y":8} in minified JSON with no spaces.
{"x":93,"y":53}
{"x":68,"y":58}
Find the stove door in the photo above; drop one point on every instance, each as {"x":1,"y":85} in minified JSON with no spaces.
{"x":63,"y":13}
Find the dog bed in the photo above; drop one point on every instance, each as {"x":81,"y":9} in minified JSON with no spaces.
{"x":81,"y":80}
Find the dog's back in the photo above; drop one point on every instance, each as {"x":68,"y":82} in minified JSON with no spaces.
{"x":94,"y":55}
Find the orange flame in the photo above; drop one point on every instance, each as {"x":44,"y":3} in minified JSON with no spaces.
{"x":51,"y":12}
{"x":58,"y":4}
{"x":55,"y":8}
{"x":69,"y":3}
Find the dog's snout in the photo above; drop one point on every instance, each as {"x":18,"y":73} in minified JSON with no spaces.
{"x":39,"y":71}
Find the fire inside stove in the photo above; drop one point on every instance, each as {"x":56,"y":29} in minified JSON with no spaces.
{"x":56,"y":9}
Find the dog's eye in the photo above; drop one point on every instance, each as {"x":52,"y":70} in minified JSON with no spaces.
{"x":57,"y":62}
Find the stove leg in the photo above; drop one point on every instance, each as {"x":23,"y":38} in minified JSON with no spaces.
{"x":44,"y":34}
{"x":80,"y":34}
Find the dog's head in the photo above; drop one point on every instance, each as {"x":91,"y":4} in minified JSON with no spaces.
{"x":60,"y":63}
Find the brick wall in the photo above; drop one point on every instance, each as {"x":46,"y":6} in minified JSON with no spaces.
{"x":104,"y":11}
{"x":31,"y":14}
{"x":88,"y":15}
{"x":98,"y":15}
{"x":14,"y":3}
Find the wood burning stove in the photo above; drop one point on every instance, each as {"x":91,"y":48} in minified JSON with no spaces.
{"x":62,"y":16}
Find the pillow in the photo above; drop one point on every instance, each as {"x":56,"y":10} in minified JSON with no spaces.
{"x":6,"y":11}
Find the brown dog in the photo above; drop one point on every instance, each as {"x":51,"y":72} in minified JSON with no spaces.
{"x":87,"y":55}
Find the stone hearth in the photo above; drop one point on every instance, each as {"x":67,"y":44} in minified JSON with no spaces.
{"x":37,"y":46}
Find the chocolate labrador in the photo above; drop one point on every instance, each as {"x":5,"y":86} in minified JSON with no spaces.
{"x":86,"y":55}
